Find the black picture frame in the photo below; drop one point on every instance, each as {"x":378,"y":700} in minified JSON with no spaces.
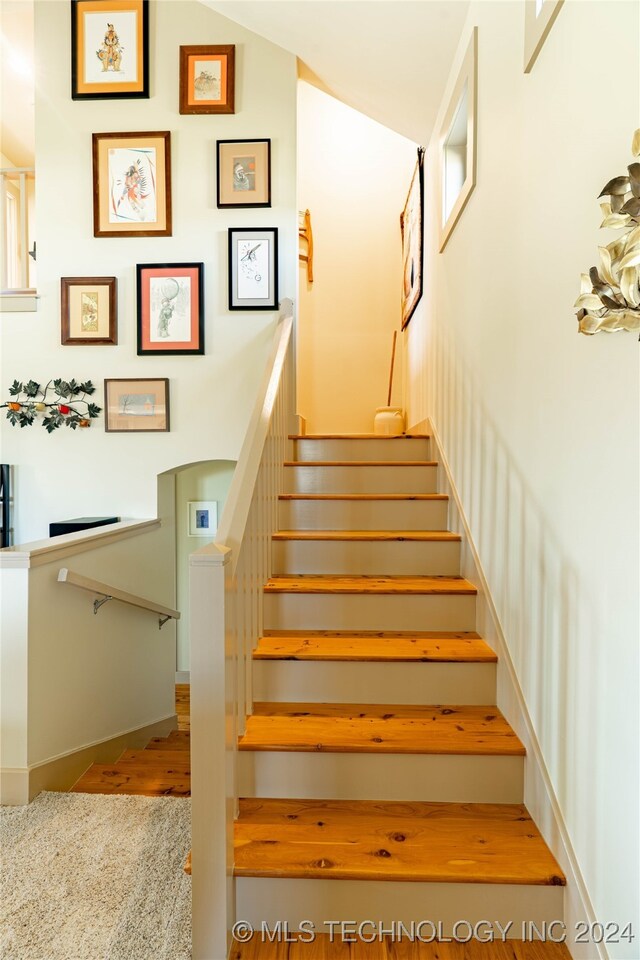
{"x":240,"y":279}
{"x":150,"y":339}
{"x":257,"y":192}
{"x":81,"y":88}
{"x":412,"y":230}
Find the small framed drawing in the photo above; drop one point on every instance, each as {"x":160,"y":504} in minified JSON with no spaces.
{"x":109,"y":49}
{"x":411,"y":225}
{"x":207,"y":79}
{"x":170,"y":308}
{"x":203,"y":518}
{"x":244,"y":173}
{"x":88,"y":311}
{"x":132,"y":184}
{"x":253,"y":268}
{"x":136,"y":406}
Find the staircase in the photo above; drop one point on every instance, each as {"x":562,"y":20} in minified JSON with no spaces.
{"x":375,"y":766}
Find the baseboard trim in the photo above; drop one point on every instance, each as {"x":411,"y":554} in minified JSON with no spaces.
{"x":540,"y":796}
{"x":183,"y":676}
{"x":19,"y":785}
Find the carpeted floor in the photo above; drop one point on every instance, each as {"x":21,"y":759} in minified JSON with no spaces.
{"x":95,"y":877}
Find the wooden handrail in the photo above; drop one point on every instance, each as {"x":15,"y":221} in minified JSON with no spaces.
{"x":114,"y":593}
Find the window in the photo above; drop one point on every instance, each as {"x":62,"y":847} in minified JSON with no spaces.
{"x":539,"y":17}
{"x":458,"y":145}
{"x":11,"y":241}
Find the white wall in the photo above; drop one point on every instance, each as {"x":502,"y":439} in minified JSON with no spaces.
{"x":354,"y":175}
{"x":540,"y":425}
{"x":201,"y":481}
{"x":89,"y":472}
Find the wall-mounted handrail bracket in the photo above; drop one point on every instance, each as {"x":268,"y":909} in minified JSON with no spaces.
{"x":162,"y":621}
{"x":98,"y":603}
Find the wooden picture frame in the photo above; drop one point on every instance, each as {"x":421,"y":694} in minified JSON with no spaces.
{"x":136,"y":405}
{"x":253,"y":268}
{"x":244,"y":173}
{"x":132,"y":184}
{"x":109,"y":49}
{"x":170,"y":298}
{"x":412,"y":229}
{"x":207,"y":79}
{"x":89,"y":309}
{"x":539,"y":17}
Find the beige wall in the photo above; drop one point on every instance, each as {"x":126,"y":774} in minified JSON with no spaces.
{"x":201,"y":481}
{"x":540,"y":425}
{"x":88,"y":472}
{"x":354,"y":175}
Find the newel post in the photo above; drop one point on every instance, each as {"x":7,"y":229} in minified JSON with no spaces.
{"x":212,"y":754}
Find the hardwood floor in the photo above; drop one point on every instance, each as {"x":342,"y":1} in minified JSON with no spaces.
{"x":162,"y":769}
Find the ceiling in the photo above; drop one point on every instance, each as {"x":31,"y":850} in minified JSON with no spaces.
{"x":17,"y":129}
{"x":390,"y":59}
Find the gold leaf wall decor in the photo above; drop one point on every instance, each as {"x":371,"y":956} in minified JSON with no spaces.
{"x":610,"y":294}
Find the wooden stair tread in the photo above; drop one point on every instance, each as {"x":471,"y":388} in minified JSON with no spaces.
{"x":357,"y":436}
{"x":379,"y":728}
{"x":360,"y":463}
{"x":410,"y":841}
{"x":363,"y":496}
{"x":427,"y":535}
{"x":369,"y":646}
{"x":321,"y":583}
{"x":325,"y":947}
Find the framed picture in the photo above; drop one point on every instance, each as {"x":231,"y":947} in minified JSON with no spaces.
{"x":207,"y":79}
{"x":136,"y":406}
{"x":109,"y":49}
{"x":89,"y":311}
{"x":203,"y":518}
{"x":244,"y":173}
{"x":132,"y":184}
{"x":411,"y":225}
{"x":253,"y":268}
{"x":170,"y":308}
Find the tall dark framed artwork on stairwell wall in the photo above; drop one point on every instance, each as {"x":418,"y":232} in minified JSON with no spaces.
{"x":412,"y":228}
{"x":109,"y":49}
{"x":253,"y":268}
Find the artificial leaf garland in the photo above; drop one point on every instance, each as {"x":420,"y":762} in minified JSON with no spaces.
{"x":58,"y":402}
{"x":610,"y":295}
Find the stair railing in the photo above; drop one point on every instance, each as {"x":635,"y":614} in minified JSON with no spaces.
{"x":226,"y":601}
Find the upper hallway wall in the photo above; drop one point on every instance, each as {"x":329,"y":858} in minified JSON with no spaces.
{"x":541,"y":425}
{"x":354,"y":175}
{"x":88,"y":472}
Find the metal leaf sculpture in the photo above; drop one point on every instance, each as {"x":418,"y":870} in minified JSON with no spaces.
{"x":610,"y":293}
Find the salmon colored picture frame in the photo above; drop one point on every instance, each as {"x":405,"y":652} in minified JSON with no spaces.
{"x":170,"y":309}
{"x":136,"y":405}
{"x":207,"y":79}
{"x":109,"y":49}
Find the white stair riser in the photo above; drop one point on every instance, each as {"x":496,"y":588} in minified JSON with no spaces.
{"x":395,"y":557}
{"x":363,"y":514}
{"x":270,"y":900}
{"x":334,"y":681}
{"x":440,"y":778}
{"x":331,"y":611}
{"x":400,"y":448}
{"x":386,"y":479}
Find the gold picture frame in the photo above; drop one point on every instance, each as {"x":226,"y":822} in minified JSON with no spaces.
{"x":132,"y":184}
{"x":136,"y":405}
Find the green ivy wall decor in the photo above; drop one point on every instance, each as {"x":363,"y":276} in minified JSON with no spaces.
{"x":610,"y":294}
{"x":57,"y":404}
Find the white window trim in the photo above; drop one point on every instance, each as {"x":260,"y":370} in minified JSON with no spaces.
{"x":537,"y":27}
{"x":468,"y":75}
